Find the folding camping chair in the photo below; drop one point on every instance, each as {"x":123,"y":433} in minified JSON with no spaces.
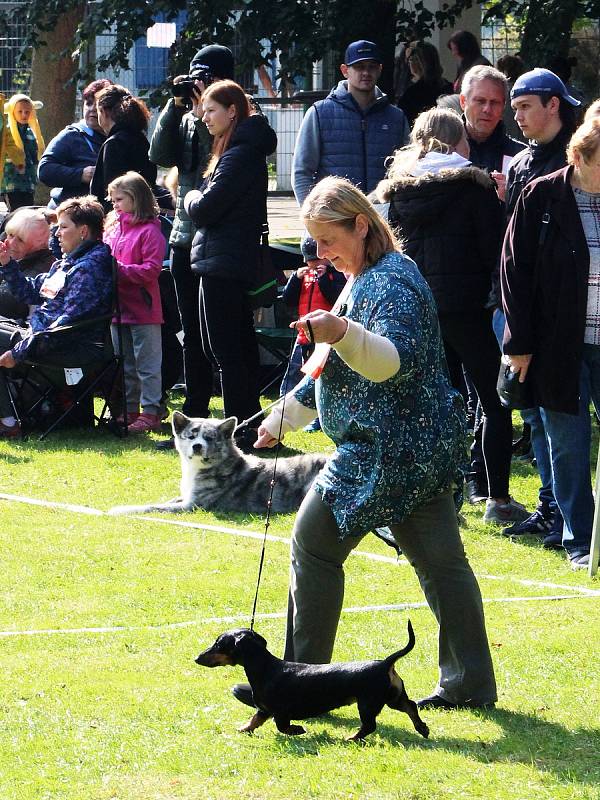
{"x":47,"y":392}
{"x":278,"y":340}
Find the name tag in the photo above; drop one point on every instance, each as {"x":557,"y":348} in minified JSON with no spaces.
{"x":52,"y":285}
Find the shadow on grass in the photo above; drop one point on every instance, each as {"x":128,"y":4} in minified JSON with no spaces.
{"x":569,"y":755}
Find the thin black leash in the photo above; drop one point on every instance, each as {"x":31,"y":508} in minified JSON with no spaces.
{"x":270,"y":500}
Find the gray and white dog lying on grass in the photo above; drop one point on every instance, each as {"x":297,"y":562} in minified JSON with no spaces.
{"x":217,"y":476}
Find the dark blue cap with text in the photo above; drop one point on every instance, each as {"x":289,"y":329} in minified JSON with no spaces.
{"x":543,"y":83}
{"x":362,"y":51}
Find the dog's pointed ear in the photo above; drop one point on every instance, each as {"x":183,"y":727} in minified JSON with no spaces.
{"x":228,"y":426}
{"x":246,"y":634}
{"x":179,"y":421}
{"x":260,"y":639}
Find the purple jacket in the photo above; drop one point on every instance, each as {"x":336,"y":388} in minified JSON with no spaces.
{"x":139,"y":249}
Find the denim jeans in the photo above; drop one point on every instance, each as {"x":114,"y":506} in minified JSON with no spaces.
{"x":569,"y":439}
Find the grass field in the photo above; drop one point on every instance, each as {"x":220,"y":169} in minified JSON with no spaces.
{"x":102,"y":617}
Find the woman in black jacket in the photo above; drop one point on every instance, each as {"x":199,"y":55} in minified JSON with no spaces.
{"x":448,"y":215}
{"x":229,"y":211}
{"x":124,"y":120}
{"x":427,"y":83}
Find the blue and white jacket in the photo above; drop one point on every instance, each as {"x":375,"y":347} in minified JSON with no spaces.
{"x":337,"y":137}
{"x":86,"y":293}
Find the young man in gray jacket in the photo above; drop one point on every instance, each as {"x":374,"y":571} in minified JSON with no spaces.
{"x":352,"y":131}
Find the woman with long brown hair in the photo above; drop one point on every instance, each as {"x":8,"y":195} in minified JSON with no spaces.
{"x":124,"y":120}
{"x":229,"y":211}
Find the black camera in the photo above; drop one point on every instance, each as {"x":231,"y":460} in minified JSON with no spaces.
{"x":184,"y":88}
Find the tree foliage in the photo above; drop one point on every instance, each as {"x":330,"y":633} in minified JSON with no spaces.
{"x":301,"y":31}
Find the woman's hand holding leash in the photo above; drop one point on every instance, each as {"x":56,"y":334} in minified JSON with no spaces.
{"x":265,"y":438}
{"x":321,"y":326}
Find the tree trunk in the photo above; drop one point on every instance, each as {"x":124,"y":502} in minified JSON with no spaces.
{"x":49,"y":80}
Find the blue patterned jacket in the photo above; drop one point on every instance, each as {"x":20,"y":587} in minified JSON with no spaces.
{"x":399,"y":442}
{"x":87,"y":291}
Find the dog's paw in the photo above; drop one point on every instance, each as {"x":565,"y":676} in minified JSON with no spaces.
{"x":423,"y":729}
{"x":247,"y":728}
{"x":293,"y":730}
{"x":356,"y":737}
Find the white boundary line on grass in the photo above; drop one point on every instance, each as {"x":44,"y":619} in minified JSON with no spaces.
{"x":236,"y":618}
{"x":179,"y":524}
{"x":577,"y":592}
{"x":244,"y":533}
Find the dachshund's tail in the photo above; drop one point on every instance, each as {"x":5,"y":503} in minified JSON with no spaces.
{"x":399,"y":653}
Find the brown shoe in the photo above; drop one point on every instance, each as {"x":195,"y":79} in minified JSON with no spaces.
{"x":10,"y":431}
{"x":144,"y":423}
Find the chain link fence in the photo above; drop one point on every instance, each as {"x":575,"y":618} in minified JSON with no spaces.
{"x":14,"y":77}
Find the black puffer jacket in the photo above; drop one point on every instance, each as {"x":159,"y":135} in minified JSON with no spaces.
{"x":125,"y":149}
{"x":450,"y":224}
{"x":230,"y":208}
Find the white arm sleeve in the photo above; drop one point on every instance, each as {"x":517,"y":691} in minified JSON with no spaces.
{"x":371,"y":355}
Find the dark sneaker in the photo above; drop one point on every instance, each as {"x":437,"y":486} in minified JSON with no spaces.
{"x":477,"y":491}
{"x":553,"y":541}
{"x":243,"y":693}
{"x":435,"y":701}
{"x":166,"y":444}
{"x":537,"y":524}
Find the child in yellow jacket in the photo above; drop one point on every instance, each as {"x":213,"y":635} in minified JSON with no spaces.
{"x":23,"y":145}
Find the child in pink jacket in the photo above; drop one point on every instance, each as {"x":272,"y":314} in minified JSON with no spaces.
{"x":133,"y":233}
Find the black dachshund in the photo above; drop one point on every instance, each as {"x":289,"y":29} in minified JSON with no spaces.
{"x":286,"y":690}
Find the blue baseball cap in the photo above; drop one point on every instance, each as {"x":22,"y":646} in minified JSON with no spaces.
{"x":543,"y":83}
{"x":362,"y":51}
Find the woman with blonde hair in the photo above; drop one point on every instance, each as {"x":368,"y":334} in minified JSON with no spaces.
{"x":384,"y":398}
{"x":24,"y":144}
{"x":449,"y":217}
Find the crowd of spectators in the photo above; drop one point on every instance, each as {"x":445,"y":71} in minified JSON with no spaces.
{"x":494,"y":155}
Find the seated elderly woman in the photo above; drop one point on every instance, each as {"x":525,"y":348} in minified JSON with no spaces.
{"x":27,"y":232}
{"x":77,"y":287}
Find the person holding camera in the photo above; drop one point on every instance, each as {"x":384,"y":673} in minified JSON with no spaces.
{"x":181,"y":140}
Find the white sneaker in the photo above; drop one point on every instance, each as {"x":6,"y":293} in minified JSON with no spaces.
{"x":502,"y":513}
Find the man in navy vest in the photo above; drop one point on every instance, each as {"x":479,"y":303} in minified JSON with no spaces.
{"x":352,"y":132}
